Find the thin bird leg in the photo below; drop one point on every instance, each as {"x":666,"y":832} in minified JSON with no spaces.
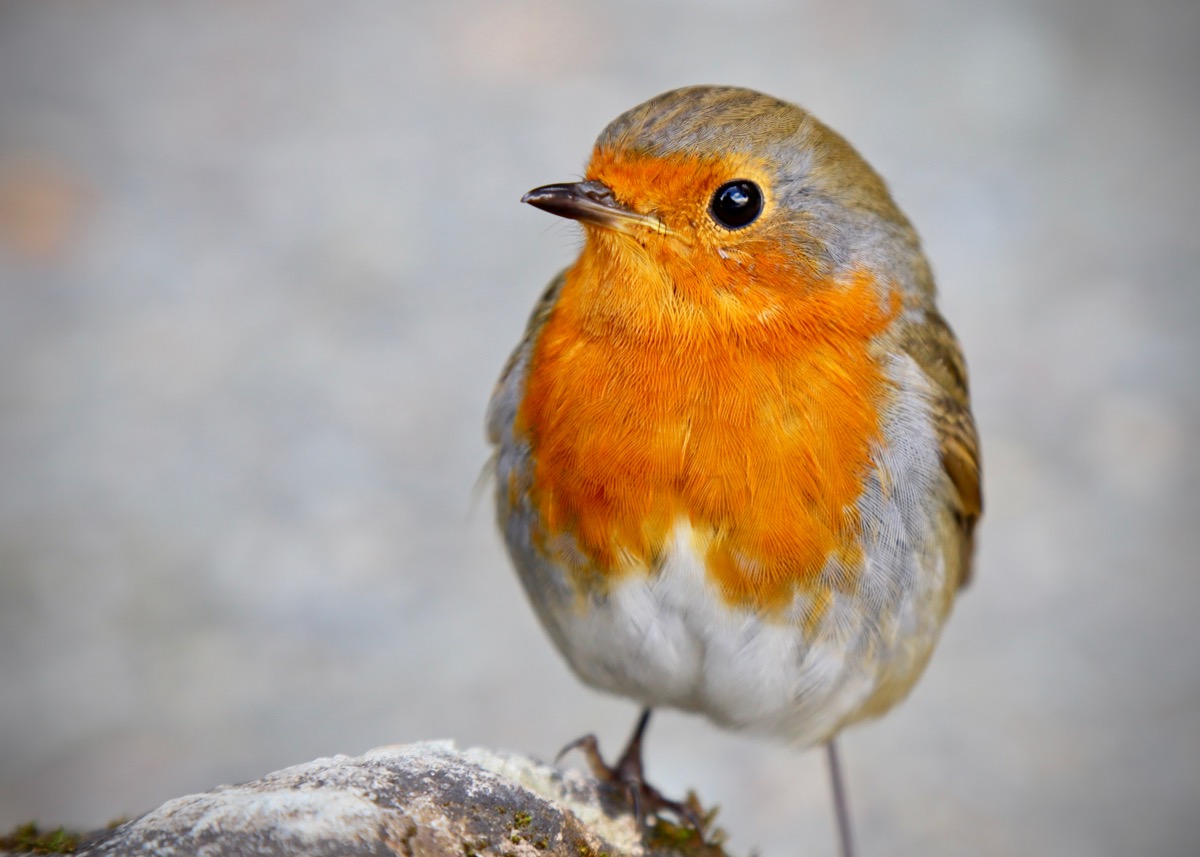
{"x":841,"y":806}
{"x":629,"y":766}
{"x":629,"y":773}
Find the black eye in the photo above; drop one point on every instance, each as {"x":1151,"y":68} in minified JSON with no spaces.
{"x":736,"y":204}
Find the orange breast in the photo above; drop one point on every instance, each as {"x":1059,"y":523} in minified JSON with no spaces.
{"x":759,"y":433}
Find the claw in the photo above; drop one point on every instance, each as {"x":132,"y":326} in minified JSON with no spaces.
{"x":591,"y":749}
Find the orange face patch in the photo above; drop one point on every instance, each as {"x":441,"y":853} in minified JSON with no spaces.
{"x":676,"y":187}
{"x":737,"y":391}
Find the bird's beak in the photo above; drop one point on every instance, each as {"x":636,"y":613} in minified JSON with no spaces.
{"x":591,"y":202}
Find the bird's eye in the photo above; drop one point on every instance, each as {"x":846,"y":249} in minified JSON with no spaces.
{"x":736,"y":204}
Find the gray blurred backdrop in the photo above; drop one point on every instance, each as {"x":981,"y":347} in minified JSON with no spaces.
{"x":261,"y":262}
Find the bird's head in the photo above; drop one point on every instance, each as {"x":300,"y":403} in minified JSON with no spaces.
{"x":719,"y":206}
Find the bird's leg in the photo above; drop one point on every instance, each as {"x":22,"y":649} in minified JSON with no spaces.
{"x":841,"y":806}
{"x":629,"y":766}
{"x":630,"y":774}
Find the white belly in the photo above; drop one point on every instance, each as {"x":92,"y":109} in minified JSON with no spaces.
{"x":667,"y":639}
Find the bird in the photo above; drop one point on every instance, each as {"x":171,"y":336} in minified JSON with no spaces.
{"x":736,"y":468}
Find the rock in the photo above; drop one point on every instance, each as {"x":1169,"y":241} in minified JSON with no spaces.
{"x":412,"y":800}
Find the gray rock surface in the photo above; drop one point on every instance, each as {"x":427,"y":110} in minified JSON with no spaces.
{"x":418,"y":800}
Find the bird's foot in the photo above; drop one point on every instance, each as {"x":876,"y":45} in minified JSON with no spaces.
{"x":628,"y":774}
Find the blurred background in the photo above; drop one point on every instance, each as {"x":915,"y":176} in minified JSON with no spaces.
{"x":261,"y":263}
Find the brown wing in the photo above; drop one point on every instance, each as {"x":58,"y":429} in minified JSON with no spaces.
{"x":936,"y":350}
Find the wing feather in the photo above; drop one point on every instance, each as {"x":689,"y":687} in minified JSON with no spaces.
{"x":934,"y":347}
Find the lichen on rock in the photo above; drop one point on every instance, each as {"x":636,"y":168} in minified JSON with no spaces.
{"x":416,"y":800}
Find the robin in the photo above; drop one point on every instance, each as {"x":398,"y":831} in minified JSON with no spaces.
{"x":735,"y":461}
